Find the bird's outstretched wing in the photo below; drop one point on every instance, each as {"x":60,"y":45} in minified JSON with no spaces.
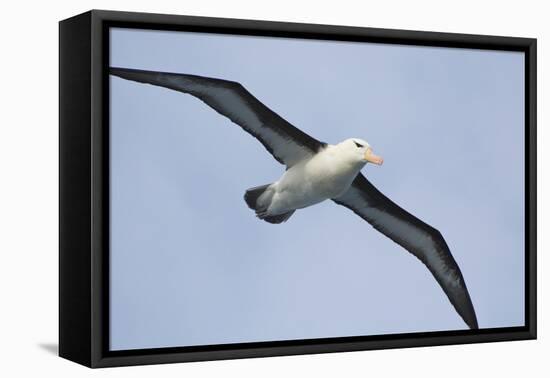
{"x":285,"y":142}
{"x":417,"y":237}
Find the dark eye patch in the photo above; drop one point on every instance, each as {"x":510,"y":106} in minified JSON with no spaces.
{"x":358,"y":145}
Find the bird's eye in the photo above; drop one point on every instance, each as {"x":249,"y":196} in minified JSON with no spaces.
{"x":358,"y":145}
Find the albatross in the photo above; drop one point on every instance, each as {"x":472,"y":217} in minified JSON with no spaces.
{"x":315,"y":172}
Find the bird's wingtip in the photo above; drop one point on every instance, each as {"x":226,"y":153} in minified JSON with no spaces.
{"x":118,"y":70}
{"x":470,"y":318}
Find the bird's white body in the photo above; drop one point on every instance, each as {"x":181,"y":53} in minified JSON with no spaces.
{"x":327,"y":174}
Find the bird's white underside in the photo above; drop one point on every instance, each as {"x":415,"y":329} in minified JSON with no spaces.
{"x":325,"y":175}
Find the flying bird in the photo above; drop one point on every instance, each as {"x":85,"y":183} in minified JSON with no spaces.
{"x":317,"y":171}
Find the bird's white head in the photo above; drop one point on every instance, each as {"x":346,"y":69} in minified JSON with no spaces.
{"x":360,"y":151}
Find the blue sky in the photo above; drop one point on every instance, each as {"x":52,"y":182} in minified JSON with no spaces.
{"x":191,"y":265}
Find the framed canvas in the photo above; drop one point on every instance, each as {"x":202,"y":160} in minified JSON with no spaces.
{"x":234,"y":188}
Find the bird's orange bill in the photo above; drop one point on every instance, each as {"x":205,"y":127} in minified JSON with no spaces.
{"x":372,"y":158}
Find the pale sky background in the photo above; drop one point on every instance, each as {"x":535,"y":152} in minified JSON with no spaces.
{"x":190,"y":263}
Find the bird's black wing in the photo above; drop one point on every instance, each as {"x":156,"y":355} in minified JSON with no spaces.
{"x":417,"y":237}
{"x":285,"y":142}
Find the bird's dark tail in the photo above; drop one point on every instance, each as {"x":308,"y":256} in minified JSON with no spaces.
{"x":258,"y":199}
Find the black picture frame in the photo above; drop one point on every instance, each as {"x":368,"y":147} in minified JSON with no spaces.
{"x":84,"y":194}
